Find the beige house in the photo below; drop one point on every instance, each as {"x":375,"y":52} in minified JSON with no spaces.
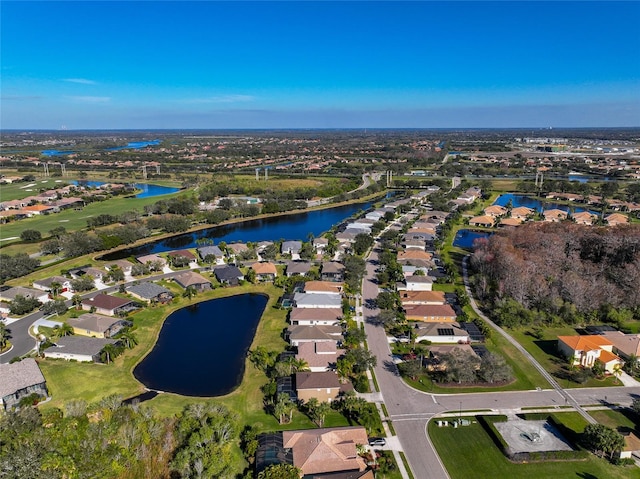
{"x":554,"y":215}
{"x":521,"y":212}
{"x":328,"y":450}
{"x":431,"y":313}
{"x":484,"y":221}
{"x":324,"y":386}
{"x":586,"y":350}
{"x":410,"y":298}
{"x":96,"y":325}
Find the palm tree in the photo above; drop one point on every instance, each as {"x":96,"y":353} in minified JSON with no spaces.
{"x":108,"y":352}
{"x":128,"y":338}
{"x":190,"y":292}
{"x":617,"y":371}
{"x":296,"y":365}
{"x":65,"y":329}
{"x":76,"y":300}
{"x":55,"y":287}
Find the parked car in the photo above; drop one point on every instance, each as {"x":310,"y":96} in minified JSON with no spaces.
{"x":377,"y":441}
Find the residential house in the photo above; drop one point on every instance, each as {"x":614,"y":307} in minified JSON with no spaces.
{"x":41,"y":209}
{"x":150,"y":292}
{"x":408,"y":270}
{"x":291,"y":247}
{"x":320,"y":356}
{"x":313,"y":300}
{"x":322,"y":287}
{"x":615,"y":219}
{"x":78,"y":348}
{"x":265,"y":271}
{"x":416,"y":283}
{"x":228,"y":274}
{"x":190,"y":278}
{"x":414,"y":244}
{"x":324,"y":386}
{"x":484,"y":221}
{"x":415,"y":257}
{"x":96,"y":325}
{"x":626,"y":346}
{"x":123,"y":264}
{"x":298,"y":268}
{"x":510,"y":222}
{"x":522,"y":212}
{"x":237,"y":248}
{"x":332,"y":271}
{"x":107,"y":305}
{"x":320,"y":244}
{"x":442,"y":313}
{"x":297,"y":334}
{"x":152,"y":258}
{"x":211,"y":251}
{"x":45,"y":284}
{"x":182,"y":255}
{"x":440,"y":333}
{"x":346,"y":236}
{"x":554,"y":215}
{"x":10,"y":294}
{"x":586,"y":350}
{"x":19,"y":380}
{"x":315,"y":316}
{"x":319,"y":453}
{"x":495,"y":210}
{"x":585,"y":218}
{"x":422,"y":297}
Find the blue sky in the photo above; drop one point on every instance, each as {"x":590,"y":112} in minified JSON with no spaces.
{"x":455,"y":64}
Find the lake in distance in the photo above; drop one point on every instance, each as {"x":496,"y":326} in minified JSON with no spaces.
{"x":201,"y":349}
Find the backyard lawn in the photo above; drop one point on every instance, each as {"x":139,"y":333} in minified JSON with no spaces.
{"x":545,"y":351}
{"x":469,"y":452}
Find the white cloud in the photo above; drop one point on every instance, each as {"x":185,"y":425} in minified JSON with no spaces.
{"x":223,"y":99}
{"x":82,"y":81}
{"x":90,"y":99}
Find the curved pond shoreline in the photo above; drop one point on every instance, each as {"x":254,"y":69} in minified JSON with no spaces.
{"x":200,"y":349}
{"x":145,"y":246}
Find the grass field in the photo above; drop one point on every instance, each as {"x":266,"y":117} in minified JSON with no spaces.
{"x":74,"y":220}
{"x":469,"y":452}
{"x":622,"y":420}
{"x":545,"y":352}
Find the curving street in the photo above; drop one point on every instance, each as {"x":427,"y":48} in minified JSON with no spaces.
{"x":410,"y":410}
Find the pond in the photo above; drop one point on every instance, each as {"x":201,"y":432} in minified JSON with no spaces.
{"x":287,"y":227}
{"x":201,"y":349}
{"x":147,"y":189}
{"x":465,"y":238}
{"x":534,"y":203}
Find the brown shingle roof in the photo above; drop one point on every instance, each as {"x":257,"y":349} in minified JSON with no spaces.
{"x":105,"y":301}
{"x":323,"y":380}
{"x":19,"y":375}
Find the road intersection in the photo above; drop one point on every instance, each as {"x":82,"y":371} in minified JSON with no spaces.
{"x":410,"y":409}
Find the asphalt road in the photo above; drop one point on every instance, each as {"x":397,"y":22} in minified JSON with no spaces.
{"x":410,"y":409}
{"x":23,"y":343}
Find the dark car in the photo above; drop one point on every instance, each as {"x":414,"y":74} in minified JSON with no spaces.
{"x":377,"y":441}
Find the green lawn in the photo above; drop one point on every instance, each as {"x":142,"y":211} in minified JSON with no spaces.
{"x":545,"y":352}
{"x":72,"y":380}
{"x":469,"y":452}
{"x":74,"y":220}
{"x":622,"y":420}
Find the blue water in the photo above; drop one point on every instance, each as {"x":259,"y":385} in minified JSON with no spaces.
{"x":465,"y":238}
{"x":56,"y":152}
{"x":147,"y":190}
{"x":201,"y":349}
{"x":134,"y":145}
{"x":535,"y":204}
{"x":287,"y":227}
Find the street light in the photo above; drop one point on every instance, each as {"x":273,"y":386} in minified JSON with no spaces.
{"x":460,"y":414}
